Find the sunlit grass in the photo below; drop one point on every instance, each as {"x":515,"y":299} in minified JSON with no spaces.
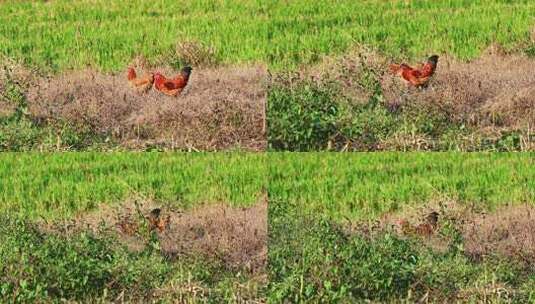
{"x":284,"y":34}
{"x":362,"y":185}
{"x":59,"y":185}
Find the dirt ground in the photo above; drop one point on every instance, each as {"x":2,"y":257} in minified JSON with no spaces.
{"x":236,"y":237}
{"x":221,"y":108}
{"x":493,"y":94}
{"x":493,"y":91}
{"x":508,"y":231}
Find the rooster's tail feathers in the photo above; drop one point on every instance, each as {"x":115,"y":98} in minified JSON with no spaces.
{"x":131,"y":74}
{"x":394,"y":68}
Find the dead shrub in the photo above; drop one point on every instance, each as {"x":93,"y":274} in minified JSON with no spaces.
{"x":16,"y":71}
{"x":195,"y":53}
{"x":7,"y":109}
{"x":356,"y":73}
{"x":509,"y":231}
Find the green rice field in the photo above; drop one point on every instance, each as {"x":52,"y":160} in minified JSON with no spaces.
{"x":58,"y":185}
{"x":366,"y":185}
{"x":62,"y":35}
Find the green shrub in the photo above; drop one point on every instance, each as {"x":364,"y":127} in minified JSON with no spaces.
{"x":312,"y":259}
{"x":318,"y":262}
{"x":302,"y":117}
{"x":39,"y":267}
{"x":36,"y":266}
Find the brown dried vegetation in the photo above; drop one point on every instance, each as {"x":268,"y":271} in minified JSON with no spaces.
{"x":195,"y":53}
{"x":6,"y":108}
{"x":237,"y":237}
{"x":508,"y":231}
{"x":219,"y":109}
{"x":493,"y":91}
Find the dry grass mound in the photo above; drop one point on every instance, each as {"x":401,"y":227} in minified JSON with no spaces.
{"x":510,"y":231}
{"x":219,"y":109}
{"x":236,"y":237}
{"x":507,"y":232}
{"x":495,"y":91}
{"x":7,"y":109}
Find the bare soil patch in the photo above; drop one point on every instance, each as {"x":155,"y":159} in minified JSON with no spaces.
{"x":493,"y":91}
{"x":492,"y":95}
{"x":236,"y":237}
{"x":508,"y":231}
{"x":221,"y":108}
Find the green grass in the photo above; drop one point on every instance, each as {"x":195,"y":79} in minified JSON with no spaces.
{"x":108,"y":34}
{"x":362,"y":185}
{"x":305,"y":30}
{"x":59,"y":185}
{"x":355,"y":185}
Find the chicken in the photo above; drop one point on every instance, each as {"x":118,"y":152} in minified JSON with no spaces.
{"x":406,"y":227}
{"x":432,"y":219}
{"x":172,"y":87}
{"x":419,"y":76}
{"x":140,"y":84}
{"x":157,"y":221}
{"x":426,"y":228}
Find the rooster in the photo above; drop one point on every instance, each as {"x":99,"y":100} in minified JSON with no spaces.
{"x":172,"y":87}
{"x":417,"y":77}
{"x":140,"y":84}
{"x":157,"y":221}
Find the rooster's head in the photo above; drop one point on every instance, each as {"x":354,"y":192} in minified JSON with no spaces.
{"x":186,"y":70}
{"x":433,"y":59}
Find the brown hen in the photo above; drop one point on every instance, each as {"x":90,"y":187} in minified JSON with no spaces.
{"x":140,"y":84}
{"x":426,"y":228}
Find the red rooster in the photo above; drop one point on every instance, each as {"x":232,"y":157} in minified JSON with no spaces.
{"x":172,"y":87}
{"x":416,"y":77}
{"x":157,"y":221}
